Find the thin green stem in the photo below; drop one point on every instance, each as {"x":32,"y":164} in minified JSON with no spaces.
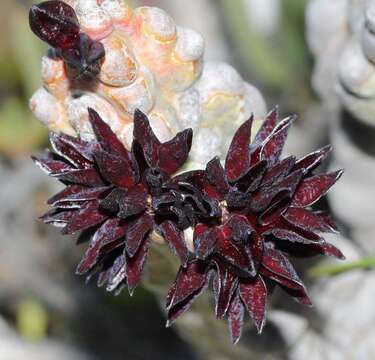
{"x":365,"y":263}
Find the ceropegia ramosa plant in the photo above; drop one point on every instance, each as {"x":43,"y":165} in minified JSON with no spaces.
{"x":247,"y":216}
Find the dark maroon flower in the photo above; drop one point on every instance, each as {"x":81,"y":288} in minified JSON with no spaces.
{"x":265,"y":215}
{"x":111,"y":194}
{"x":56,"y":23}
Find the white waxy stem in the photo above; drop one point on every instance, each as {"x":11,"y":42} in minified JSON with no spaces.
{"x":157,"y":23}
{"x":355,"y":71}
{"x":368,"y":44}
{"x":206,"y":144}
{"x":189,"y":238}
{"x":118,"y":10}
{"x":138,"y":95}
{"x":189,"y":108}
{"x":77,"y":106}
{"x":119,"y":67}
{"x":93,"y":20}
{"x":50,"y":112}
{"x":254,"y":102}
{"x":54,"y":77}
{"x":189,"y":45}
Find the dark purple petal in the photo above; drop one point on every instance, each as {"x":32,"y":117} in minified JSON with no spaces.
{"x":227,"y":283}
{"x":117,"y":274}
{"x":307,"y":219}
{"x":286,"y":235}
{"x":134,"y":202}
{"x":137,"y":232}
{"x":84,"y":218}
{"x":57,"y":218}
{"x":109,"y":232}
{"x":313,"y":160}
{"x":204,"y":241}
{"x":278,"y":171}
{"x":235,"y":318}
{"x":216,"y":175}
{"x":135,"y":265}
{"x":145,"y":136}
{"x":253,"y":293}
{"x":176,"y":240}
{"x":327,"y":250}
{"x":190,"y":280}
{"x":64,"y":148}
{"x":274,"y":144}
{"x":313,"y":188}
{"x":253,"y":178}
{"x":51,"y":166}
{"x":238,"y":158}
{"x":55,"y":22}
{"x":115,"y":169}
{"x":174,"y":153}
{"x":234,"y":254}
{"x":87,"y":177}
{"x":107,"y":138}
{"x":241,"y":230}
{"x":266,"y":129}
{"x":278,"y":268}
{"x":76,"y":194}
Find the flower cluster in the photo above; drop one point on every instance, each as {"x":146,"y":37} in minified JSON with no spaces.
{"x":247,"y":216}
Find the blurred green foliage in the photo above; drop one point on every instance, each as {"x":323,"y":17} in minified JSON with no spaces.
{"x":278,"y":63}
{"x":20,"y":54}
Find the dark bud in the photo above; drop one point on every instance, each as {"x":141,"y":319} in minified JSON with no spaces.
{"x":56,"y":23}
{"x":84,"y":60}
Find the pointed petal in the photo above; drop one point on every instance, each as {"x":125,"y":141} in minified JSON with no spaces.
{"x":107,"y":138}
{"x":216,"y":175}
{"x":176,"y":240}
{"x":277,"y":267}
{"x":109,"y":232}
{"x":327,"y":250}
{"x":313,"y":188}
{"x":313,"y":160}
{"x":135,"y":265}
{"x":227,"y":282}
{"x":238,"y":158}
{"x":189,"y":281}
{"x":75,"y":193}
{"x":235,"y":318}
{"x":307,"y":219}
{"x":253,"y":178}
{"x":115,"y":169}
{"x":134,"y":202}
{"x":204,"y":241}
{"x":274,"y":144}
{"x":84,"y":218}
{"x":145,"y":136}
{"x":137,"y":232}
{"x":241,"y":230}
{"x":57,"y":218}
{"x":174,"y":153}
{"x":266,"y":129}
{"x":55,"y":22}
{"x":253,"y":293}
{"x":291,"y":236}
{"x":51,"y":166}
{"x":87,"y":177}
{"x":117,"y":274}
{"x":67,"y":151}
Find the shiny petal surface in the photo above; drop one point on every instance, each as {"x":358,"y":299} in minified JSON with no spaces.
{"x":238,"y":158}
{"x":175,"y":239}
{"x":235,"y":318}
{"x":137,"y":232}
{"x":253,"y":293}
{"x":313,"y":188}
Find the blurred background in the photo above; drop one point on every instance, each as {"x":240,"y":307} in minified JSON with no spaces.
{"x":292,"y":51}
